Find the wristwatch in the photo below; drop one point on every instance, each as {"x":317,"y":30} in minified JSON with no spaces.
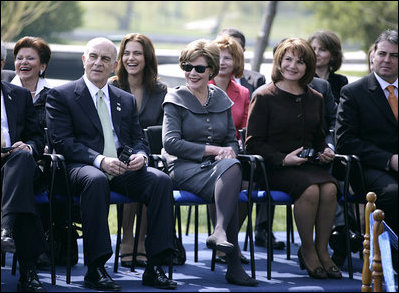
{"x":145,"y":160}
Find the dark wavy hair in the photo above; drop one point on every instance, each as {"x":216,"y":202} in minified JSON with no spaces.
{"x":150,"y":74}
{"x":332,"y":43}
{"x":39,"y":45}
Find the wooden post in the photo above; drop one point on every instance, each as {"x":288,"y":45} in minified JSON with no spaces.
{"x":378,"y":229}
{"x":366,"y":273}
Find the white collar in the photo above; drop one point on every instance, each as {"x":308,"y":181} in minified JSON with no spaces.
{"x":384,"y":83}
{"x":93,"y":89}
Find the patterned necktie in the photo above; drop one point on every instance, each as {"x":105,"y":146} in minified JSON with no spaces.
{"x":109,"y":143}
{"x":393,"y":100}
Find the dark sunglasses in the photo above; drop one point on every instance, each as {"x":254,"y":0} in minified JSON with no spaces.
{"x":198,"y":68}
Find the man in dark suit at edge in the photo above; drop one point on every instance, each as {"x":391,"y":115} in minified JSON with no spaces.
{"x":89,"y":143}
{"x":367,"y":126}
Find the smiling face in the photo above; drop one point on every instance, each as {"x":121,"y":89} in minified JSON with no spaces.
{"x":99,"y":62}
{"x":27,"y":64}
{"x":133,"y":58}
{"x":293,"y":68}
{"x":198,"y":81}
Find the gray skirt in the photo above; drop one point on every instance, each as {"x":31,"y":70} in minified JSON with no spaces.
{"x":189,"y":176}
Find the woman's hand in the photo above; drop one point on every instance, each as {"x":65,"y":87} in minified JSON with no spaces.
{"x":292,"y":158}
{"x":327,"y":156}
{"x":225,"y":153}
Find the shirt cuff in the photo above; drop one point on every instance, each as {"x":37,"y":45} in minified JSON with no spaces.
{"x":98,"y":160}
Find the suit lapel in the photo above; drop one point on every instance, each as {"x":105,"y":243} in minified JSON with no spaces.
{"x":84,"y":99}
{"x":378,"y":97}
{"x":11,"y":110}
{"x":116,"y":109}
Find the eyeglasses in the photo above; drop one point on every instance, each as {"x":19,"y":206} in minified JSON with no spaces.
{"x":198,"y":68}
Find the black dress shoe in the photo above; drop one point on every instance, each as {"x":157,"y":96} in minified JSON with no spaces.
{"x":261,"y":240}
{"x":29,"y":282}
{"x":98,"y":279}
{"x":43,"y":262}
{"x":7,"y":241}
{"x":223,"y":259}
{"x":246,"y":281}
{"x":154,"y":276}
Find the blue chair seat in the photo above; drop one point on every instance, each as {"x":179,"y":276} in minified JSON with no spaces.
{"x":186,"y":197}
{"x":42,"y":197}
{"x":278,"y":196}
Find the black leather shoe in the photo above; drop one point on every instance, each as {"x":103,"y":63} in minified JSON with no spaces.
{"x":154,"y":276}
{"x":29,"y":282}
{"x":98,"y":279}
{"x":7,"y":241}
{"x":43,"y":262}
{"x":246,"y":281}
{"x":223,"y":260}
{"x":261,"y":240}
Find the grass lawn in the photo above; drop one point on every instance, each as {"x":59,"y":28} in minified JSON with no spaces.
{"x":278,"y":224}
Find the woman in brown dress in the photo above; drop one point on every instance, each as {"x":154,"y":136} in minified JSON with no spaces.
{"x":284,"y":118}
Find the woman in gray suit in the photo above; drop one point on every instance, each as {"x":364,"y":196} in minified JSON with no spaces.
{"x":198,"y":136}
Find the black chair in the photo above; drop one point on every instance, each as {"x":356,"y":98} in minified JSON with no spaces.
{"x":270,"y":198}
{"x":51,"y":164}
{"x":115,"y":198}
{"x":346,"y":167}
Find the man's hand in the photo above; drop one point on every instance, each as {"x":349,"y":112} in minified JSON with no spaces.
{"x":19,"y":145}
{"x":113,"y":166}
{"x":394,"y":163}
{"x":136,"y":162}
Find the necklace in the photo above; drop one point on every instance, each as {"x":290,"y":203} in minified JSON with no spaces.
{"x":33,"y":93}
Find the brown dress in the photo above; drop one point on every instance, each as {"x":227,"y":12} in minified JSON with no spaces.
{"x":279,"y":123}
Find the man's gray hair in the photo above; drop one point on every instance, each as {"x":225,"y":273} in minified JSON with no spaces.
{"x":95,"y":41}
{"x":3,"y":51}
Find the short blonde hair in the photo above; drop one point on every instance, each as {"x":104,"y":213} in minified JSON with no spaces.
{"x":202,"y":48}
{"x":303,"y":50}
{"x":236,"y":51}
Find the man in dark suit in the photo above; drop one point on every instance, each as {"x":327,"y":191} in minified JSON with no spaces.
{"x":250,"y":79}
{"x":89,"y":143}
{"x":6,"y":75}
{"x":367,"y":126}
{"x":21,"y":228}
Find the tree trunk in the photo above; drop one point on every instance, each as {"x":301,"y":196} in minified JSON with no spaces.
{"x":263,"y":37}
{"x":124,"y":22}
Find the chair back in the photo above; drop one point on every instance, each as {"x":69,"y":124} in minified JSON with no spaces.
{"x":153,"y":135}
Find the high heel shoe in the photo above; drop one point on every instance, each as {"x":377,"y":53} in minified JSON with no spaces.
{"x":333,"y":272}
{"x":317,"y":273}
{"x":223,"y":246}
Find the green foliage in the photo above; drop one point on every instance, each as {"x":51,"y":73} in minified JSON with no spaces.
{"x":65,"y":17}
{"x":356,"y":20}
